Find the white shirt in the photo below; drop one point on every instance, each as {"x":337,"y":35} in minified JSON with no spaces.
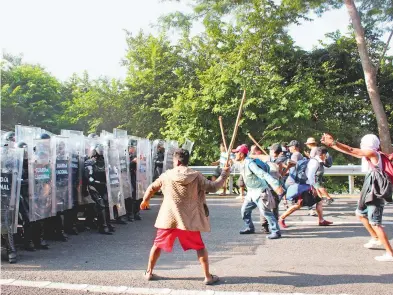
{"x":312,"y":168}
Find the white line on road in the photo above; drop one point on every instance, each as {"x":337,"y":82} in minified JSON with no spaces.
{"x":306,"y":222}
{"x":125,"y":289}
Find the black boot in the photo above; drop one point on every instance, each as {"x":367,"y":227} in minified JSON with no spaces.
{"x":102,"y":223}
{"x":38,"y":236}
{"x":128,"y":205}
{"x":60,"y":235}
{"x":121,"y":220}
{"x":28,"y":237}
{"x":70,"y":217}
{"x":11,"y":248}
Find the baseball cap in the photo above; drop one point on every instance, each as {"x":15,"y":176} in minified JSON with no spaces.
{"x":241,"y":149}
{"x":310,"y":140}
{"x":294,"y":143}
{"x":276,"y":148}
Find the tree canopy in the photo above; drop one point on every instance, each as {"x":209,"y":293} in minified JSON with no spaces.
{"x":177,"y":89}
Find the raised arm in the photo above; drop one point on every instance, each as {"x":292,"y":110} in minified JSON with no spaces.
{"x":213,"y":186}
{"x":329,"y":141}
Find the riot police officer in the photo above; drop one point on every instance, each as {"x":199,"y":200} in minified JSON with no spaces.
{"x":95,"y":178}
{"x":133,"y":167}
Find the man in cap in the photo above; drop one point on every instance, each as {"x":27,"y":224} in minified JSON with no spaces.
{"x":257,"y":181}
{"x":183,"y":213}
{"x":294,"y":149}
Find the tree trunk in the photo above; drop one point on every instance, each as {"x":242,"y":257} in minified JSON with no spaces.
{"x":370,"y":76}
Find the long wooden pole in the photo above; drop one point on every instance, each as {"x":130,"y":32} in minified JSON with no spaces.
{"x":239,"y":114}
{"x":224,"y":142}
{"x":268,"y":133}
{"x":257,"y":144}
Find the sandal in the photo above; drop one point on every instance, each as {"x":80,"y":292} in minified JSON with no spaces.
{"x":149,"y":276}
{"x":214,"y":279}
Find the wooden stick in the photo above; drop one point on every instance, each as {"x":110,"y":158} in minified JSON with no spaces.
{"x":224,"y":142}
{"x":257,"y":144}
{"x":269,"y":132}
{"x":239,"y":114}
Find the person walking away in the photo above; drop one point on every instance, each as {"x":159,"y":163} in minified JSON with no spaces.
{"x":183,"y":213}
{"x":370,"y":206}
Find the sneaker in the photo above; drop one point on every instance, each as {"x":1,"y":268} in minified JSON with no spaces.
{"x":281,"y":223}
{"x":273,"y":236}
{"x":247,"y":231}
{"x":312,"y":213}
{"x":385,"y":257}
{"x":329,"y":201}
{"x":373,"y":243}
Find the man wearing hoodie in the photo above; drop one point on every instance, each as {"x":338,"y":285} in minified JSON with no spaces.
{"x":183,"y":213}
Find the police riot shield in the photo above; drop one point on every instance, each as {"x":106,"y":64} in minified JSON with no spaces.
{"x":11,"y":174}
{"x":76,"y":149}
{"x":27,"y":133}
{"x":61,"y":174}
{"x":112,"y":169}
{"x":40,"y":179}
{"x":70,"y":133}
{"x":119,"y":133}
{"x":144,"y":167}
{"x":170,"y":147}
{"x":188,"y":145}
{"x":124,"y":159}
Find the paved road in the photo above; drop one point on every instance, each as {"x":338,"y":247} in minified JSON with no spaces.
{"x":308,"y":259}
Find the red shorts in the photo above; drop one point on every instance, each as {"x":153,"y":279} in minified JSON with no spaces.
{"x":188,"y":239}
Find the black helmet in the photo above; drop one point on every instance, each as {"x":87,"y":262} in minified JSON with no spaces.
{"x":92,"y":135}
{"x":132,"y":142}
{"x":9,"y":136}
{"x":21,"y":145}
{"x":98,"y":149}
{"x":44,"y":136}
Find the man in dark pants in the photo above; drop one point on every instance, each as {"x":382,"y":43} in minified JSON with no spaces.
{"x":135,"y":204}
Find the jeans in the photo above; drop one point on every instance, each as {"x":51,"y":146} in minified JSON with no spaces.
{"x":373,"y":212}
{"x":249,"y":205}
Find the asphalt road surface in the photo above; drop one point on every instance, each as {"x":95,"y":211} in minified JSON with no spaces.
{"x":308,"y":259}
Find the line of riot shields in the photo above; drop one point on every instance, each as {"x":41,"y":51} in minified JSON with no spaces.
{"x":56,"y":185}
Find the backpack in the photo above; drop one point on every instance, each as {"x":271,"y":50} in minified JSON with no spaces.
{"x":299,"y":173}
{"x":387,"y":165}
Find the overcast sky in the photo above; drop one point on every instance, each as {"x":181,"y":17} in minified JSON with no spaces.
{"x":75,"y":35}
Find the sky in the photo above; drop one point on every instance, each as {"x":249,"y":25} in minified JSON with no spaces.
{"x":71,"y":36}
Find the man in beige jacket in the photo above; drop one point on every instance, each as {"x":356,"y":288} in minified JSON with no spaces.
{"x":183,"y":213}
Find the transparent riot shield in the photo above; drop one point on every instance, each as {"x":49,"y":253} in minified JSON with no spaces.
{"x":27,"y":133}
{"x":40,"y":179}
{"x":188,"y":145}
{"x":144,"y":167}
{"x":61,"y":175}
{"x":77,"y":149}
{"x":124,"y":159}
{"x":119,"y":133}
{"x":158,"y":158}
{"x":170,"y":147}
{"x":70,"y":133}
{"x":115,"y":190}
{"x":11,"y":174}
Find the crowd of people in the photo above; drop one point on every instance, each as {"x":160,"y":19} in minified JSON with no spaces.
{"x":54,"y":186}
{"x":282,"y":174}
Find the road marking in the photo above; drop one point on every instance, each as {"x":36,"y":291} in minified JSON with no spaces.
{"x":126,"y":289}
{"x":305,"y":222}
